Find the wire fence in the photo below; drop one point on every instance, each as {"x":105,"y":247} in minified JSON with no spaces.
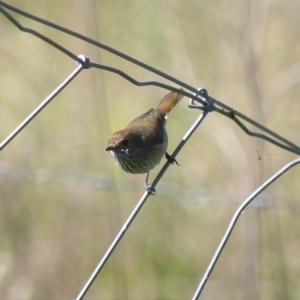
{"x":199,"y":99}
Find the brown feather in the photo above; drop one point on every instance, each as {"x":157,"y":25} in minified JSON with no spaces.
{"x":168,"y":102}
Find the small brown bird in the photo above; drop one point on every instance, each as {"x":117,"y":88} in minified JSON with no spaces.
{"x":141,"y":145}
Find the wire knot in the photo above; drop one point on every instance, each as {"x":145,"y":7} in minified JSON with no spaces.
{"x":195,"y":103}
{"x":84,"y":61}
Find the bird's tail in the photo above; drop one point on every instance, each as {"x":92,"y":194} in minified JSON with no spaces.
{"x":168,"y":102}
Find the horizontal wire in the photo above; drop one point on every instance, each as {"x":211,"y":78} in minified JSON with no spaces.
{"x":231,"y":114}
{"x":293,"y":147}
{"x":264,"y":137}
{"x":37,"y":34}
{"x":90,"y":64}
{"x":173,"y":191}
{"x":146,"y":83}
{"x":261,"y":127}
{"x":100,"y":45}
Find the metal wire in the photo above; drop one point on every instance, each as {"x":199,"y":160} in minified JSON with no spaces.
{"x":233,"y":222}
{"x":285,"y":144}
{"x":15,"y":132}
{"x":141,"y":203}
{"x":86,"y":39}
{"x":224,"y":109}
{"x":200,"y":100}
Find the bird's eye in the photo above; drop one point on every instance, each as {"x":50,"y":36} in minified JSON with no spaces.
{"x":125,"y":142}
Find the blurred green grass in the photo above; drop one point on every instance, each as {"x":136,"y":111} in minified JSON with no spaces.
{"x":55,"y":229}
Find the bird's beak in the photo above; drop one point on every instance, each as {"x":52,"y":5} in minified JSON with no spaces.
{"x":109,"y":148}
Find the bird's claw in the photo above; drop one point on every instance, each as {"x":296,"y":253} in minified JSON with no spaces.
{"x":150,"y":189}
{"x":171,"y":159}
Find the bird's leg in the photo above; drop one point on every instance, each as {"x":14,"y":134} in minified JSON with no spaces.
{"x":150,"y":190}
{"x":171,"y":159}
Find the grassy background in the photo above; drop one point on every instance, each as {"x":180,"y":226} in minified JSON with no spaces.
{"x":62,"y":197}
